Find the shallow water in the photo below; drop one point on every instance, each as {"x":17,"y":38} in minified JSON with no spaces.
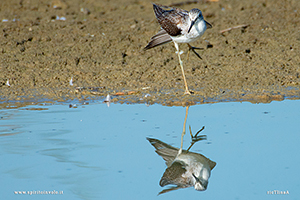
{"x":99,"y":152}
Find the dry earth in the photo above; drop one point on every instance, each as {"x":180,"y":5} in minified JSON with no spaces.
{"x":99,"y":44}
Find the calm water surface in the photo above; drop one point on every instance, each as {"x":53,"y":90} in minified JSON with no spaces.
{"x":99,"y":152}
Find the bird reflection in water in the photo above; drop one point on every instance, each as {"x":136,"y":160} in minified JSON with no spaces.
{"x":184,"y":168}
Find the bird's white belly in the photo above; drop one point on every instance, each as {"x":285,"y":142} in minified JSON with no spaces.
{"x":196,"y":32}
{"x":183,"y":39}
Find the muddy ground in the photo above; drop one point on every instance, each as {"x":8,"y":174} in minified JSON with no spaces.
{"x":99,"y":44}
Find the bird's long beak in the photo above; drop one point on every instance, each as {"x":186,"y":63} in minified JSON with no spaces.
{"x":208,"y":25}
{"x":192,"y":24}
{"x":202,"y":182}
{"x":197,"y":179}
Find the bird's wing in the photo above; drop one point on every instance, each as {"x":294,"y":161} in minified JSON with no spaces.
{"x":159,"y":33}
{"x":168,"y":19}
{"x":167,"y":152}
{"x":211,"y":164}
{"x":173,"y":175}
{"x":169,"y":189}
{"x":159,"y":38}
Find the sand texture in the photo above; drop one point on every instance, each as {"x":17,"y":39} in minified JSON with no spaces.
{"x":99,"y":45}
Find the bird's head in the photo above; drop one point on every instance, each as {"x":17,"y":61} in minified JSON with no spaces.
{"x":194,"y":14}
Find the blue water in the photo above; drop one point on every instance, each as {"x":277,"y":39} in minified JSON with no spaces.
{"x":99,"y":152}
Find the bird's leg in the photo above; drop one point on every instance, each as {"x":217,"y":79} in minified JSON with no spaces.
{"x":193,"y":49}
{"x":181,"y":65}
{"x":196,"y":138}
{"x":183,"y":131}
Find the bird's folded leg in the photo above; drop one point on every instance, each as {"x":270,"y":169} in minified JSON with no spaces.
{"x":196,"y":138}
{"x":191,"y":48}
